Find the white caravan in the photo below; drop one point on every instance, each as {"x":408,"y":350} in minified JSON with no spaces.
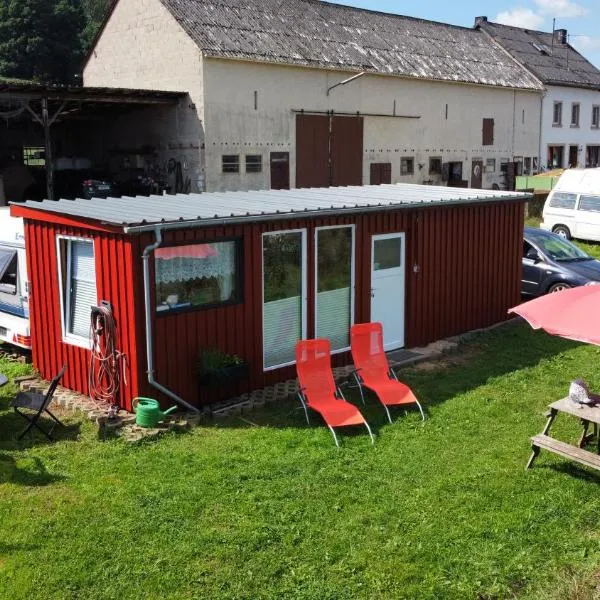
{"x":14,"y":290}
{"x":573,"y":206}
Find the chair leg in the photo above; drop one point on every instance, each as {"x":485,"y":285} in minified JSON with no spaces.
{"x":55,"y":419}
{"x":360,"y":387}
{"x":31,"y":425}
{"x":421,"y":410}
{"x":334,"y":436}
{"x":304,"y":407}
{"x":389,"y":416}
{"x":370,"y":433}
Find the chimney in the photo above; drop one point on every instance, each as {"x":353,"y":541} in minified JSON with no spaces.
{"x":562,"y":35}
{"x":480,"y":20}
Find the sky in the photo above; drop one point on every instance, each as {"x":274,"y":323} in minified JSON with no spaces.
{"x":581,"y":18}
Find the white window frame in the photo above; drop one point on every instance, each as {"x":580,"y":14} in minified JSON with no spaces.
{"x":352,"y":277}
{"x":596,"y":111}
{"x":304,"y":294}
{"x":575,"y":109}
{"x":69,"y":338}
{"x":554,"y":105}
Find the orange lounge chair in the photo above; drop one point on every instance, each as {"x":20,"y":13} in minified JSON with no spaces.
{"x":318,"y":390}
{"x":373,"y":370}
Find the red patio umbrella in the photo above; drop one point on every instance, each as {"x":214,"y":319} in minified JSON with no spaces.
{"x":573,"y":314}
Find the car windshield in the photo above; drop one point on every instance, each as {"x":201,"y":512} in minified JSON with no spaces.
{"x":559,"y":249}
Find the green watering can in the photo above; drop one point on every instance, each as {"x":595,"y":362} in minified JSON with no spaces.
{"x":147,"y":412}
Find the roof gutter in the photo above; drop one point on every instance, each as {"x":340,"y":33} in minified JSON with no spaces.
{"x":149,"y":329}
{"x":307,"y":214}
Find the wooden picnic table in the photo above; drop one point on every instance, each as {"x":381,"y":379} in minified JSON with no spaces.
{"x":589,"y":415}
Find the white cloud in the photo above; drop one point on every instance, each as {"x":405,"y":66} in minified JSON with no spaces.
{"x":520,"y":17}
{"x":561,"y":8}
{"x":585,"y":42}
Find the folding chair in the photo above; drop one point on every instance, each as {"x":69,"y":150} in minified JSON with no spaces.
{"x":318,"y":390}
{"x":373,"y":370}
{"x":34,"y":401}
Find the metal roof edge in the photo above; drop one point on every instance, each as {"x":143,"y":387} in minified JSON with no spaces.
{"x":240,"y":220}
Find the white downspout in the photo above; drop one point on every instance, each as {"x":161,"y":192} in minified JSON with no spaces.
{"x":149,"y":329}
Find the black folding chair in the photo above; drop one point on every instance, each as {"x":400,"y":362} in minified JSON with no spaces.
{"x":38,"y":403}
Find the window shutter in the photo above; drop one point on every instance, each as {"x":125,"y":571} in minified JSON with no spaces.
{"x":282,"y":328}
{"x":83,"y":287}
{"x":488,"y":132}
{"x":333,"y":317}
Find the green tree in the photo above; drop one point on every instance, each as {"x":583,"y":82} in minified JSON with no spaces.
{"x":41,"y":39}
{"x":95,"y":11}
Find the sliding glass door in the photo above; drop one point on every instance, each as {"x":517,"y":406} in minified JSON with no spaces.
{"x":284,"y":296}
{"x":334,"y":303}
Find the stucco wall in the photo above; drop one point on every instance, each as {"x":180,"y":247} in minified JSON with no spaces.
{"x":565,"y":135}
{"x":235,"y":126}
{"x":143,"y":47}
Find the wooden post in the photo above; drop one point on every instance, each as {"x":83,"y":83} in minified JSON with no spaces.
{"x":48,"y":148}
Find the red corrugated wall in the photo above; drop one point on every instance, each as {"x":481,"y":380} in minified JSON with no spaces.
{"x":463,"y":271}
{"x":115,"y":274}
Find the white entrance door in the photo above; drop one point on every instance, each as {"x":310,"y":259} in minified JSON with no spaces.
{"x":388,"y":287}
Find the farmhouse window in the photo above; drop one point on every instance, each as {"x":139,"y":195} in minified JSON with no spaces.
{"x":595,"y":117}
{"x":488,"y":132}
{"x":407,"y":166}
{"x":435,"y":166}
{"x":575,"y":114}
{"x":557,"y":114}
{"x":231,"y":163}
{"x":197,"y":276}
{"x":77,"y":271}
{"x":253,"y":163}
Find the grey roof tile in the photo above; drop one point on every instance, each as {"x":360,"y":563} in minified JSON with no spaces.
{"x":563,"y":65}
{"x":319,"y":34}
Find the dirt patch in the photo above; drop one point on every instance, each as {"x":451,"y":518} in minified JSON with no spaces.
{"x":462,"y":357}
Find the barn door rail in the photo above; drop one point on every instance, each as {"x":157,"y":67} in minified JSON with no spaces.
{"x":149,"y":325}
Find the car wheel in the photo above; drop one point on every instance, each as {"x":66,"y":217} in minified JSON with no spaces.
{"x":558,"y":287}
{"x":563,"y":231}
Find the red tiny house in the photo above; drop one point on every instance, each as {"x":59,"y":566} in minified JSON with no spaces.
{"x":461,"y":266}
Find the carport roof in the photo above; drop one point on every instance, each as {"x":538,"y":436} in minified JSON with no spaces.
{"x":34,"y":90}
{"x":138,"y":214}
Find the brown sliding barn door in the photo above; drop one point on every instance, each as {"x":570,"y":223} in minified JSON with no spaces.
{"x":381,"y":173}
{"x":328,"y":150}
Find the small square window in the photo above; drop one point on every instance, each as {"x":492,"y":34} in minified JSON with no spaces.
{"x":595,"y":117}
{"x":490,"y":165}
{"x":34,"y":157}
{"x":557,"y":114}
{"x":435,"y":166}
{"x":231,"y":163}
{"x":407,"y":166}
{"x":253,"y":163}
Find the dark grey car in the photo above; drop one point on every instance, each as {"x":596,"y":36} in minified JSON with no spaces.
{"x":552,"y":263}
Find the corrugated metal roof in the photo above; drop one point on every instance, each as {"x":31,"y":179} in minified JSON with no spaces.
{"x":185,"y":210}
{"x":554,"y":64}
{"x":319,"y":34}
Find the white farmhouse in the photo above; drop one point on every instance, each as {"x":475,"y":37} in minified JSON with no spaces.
{"x":570,"y":131}
{"x":312,"y":94}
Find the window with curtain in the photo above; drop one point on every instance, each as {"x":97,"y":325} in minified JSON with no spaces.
{"x":284,"y":289}
{"x":334,"y":285}
{"x":78,"y":287}
{"x":197,"y":275}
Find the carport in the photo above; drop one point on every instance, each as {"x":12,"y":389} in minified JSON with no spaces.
{"x":133,"y":136}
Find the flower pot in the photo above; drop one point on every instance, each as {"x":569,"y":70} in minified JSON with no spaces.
{"x":224,"y":375}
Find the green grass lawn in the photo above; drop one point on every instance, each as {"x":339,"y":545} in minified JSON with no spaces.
{"x":270,"y":509}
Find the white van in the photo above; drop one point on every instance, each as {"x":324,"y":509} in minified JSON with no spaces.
{"x":14,"y":290}
{"x":573,"y":206}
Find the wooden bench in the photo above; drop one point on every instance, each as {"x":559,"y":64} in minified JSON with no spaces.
{"x":588,"y":415}
{"x":584,"y":457}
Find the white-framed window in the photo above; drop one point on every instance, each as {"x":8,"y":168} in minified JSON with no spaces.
{"x":284,"y":296}
{"x":595,"y":117}
{"x":230,"y":163}
{"x":334,"y":284}
{"x":78,"y":293}
{"x":254,"y":163}
{"x":557,"y":114}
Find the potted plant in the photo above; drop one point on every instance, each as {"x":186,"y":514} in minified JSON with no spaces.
{"x":216,"y":368}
